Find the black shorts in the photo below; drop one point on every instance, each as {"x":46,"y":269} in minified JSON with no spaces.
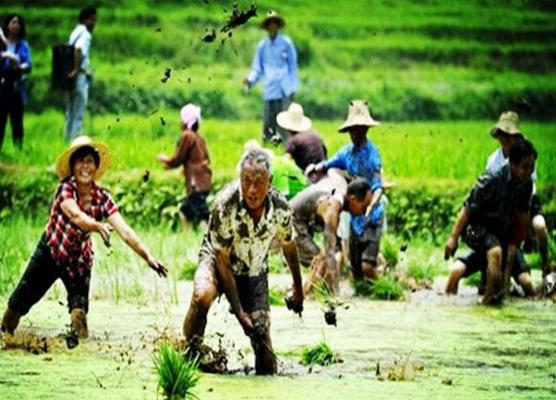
{"x":306,"y":246}
{"x":195,"y":207}
{"x":40,"y":275}
{"x":478,"y":238}
{"x":364,"y":248}
{"x":477,"y":262}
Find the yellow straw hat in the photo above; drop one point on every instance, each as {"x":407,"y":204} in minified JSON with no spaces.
{"x":507,"y":123}
{"x":273,"y":16}
{"x":63,"y":169}
{"x":358,"y":115}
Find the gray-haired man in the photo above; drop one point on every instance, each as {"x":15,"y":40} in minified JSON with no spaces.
{"x":248,"y":214}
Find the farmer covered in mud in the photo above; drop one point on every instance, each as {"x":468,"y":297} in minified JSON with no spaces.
{"x":192,"y":153}
{"x":247,"y":216}
{"x":276,"y":60}
{"x":362,"y":159}
{"x":317,"y":209}
{"x":493,"y":222}
{"x":65,"y":249}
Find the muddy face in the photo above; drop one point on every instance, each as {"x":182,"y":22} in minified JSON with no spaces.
{"x":255,"y":183}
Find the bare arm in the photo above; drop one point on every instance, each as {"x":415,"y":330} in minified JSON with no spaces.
{"x":329,"y":211}
{"x":132,"y":240}
{"x":77,"y":58}
{"x":230,"y":289}
{"x":452,"y":243}
{"x":289,"y":249}
{"x":82,"y":220}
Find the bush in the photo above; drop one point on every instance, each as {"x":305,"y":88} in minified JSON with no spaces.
{"x":177,"y":375}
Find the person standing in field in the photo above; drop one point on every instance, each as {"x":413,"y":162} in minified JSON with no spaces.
{"x":305,"y":145}
{"x":247,"y":216}
{"x":15,"y":63}
{"x":276,"y":60}
{"x":192,"y":153}
{"x":362,"y":159}
{"x":65,"y":250}
{"x":77,"y":98}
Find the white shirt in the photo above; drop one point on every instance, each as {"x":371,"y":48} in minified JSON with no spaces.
{"x":81,"y":38}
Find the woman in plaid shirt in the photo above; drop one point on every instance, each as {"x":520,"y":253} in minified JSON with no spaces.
{"x":65,"y":249}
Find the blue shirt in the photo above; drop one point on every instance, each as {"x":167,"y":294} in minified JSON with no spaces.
{"x":23,"y":53}
{"x":276,"y":59}
{"x":364,"y":162}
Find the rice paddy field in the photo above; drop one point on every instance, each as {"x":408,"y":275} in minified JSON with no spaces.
{"x":437,"y":74}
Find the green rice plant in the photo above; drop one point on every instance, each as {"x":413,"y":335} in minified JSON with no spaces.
{"x":387,"y":288}
{"x":187,"y":271}
{"x":276,"y":297}
{"x":383,"y":288}
{"x":320,"y":354}
{"x":473,"y":280}
{"x":389,"y":248}
{"x":177,"y":374}
{"x":422,"y":270}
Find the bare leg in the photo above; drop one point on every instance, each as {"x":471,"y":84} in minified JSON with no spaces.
{"x":369,"y":271}
{"x":457,"y":271}
{"x":493,"y":289}
{"x":541,"y":231}
{"x":204,"y":293}
{"x":524,"y":280}
{"x":265,"y":359}
{"x":184,"y":221}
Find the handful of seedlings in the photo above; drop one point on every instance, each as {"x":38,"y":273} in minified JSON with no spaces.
{"x":296,"y":308}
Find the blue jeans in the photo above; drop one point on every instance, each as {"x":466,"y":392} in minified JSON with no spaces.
{"x":76,"y":105}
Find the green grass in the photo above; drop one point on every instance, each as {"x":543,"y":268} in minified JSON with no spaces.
{"x":426,"y":60}
{"x":385,"y":287}
{"x":410,"y":151}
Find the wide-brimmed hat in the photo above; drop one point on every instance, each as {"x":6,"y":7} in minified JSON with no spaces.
{"x":358,"y":115}
{"x":507,"y":123}
{"x":63,"y":169}
{"x":272,"y":16}
{"x":293,"y":119}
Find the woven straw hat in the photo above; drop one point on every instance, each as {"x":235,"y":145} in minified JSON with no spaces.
{"x":272,"y":16}
{"x":358,"y":115}
{"x":507,"y":123}
{"x":63,"y":169}
{"x":293,"y":119}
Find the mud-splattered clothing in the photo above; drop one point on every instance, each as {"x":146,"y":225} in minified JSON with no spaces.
{"x":232,"y":228}
{"x":494,"y":199}
{"x":71,"y":247}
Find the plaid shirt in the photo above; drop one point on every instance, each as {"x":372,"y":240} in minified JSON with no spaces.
{"x":71,"y":247}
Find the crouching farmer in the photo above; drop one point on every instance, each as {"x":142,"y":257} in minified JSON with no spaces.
{"x":65,"y":250}
{"x":493,"y":221}
{"x":248,"y":214}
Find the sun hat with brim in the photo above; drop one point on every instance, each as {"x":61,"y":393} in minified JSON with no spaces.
{"x":293,"y":119}
{"x":358,"y":115}
{"x":507,"y":123}
{"x":63,"y":169}
{"x":272,"y":16}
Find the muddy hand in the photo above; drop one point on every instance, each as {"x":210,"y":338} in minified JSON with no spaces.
{"x":246,"y":323}
{"x":450,"y":248}
{"x":294,"y":302}
{"x":104,"y":231}
{"x":158,"y":267}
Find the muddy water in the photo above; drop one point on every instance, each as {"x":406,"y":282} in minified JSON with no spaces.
{"x":461,"y":351}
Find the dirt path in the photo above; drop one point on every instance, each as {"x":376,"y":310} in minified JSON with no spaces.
{"x":456,"y":349}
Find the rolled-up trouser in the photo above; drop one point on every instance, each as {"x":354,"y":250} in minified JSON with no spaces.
{"x":75,"y":107}
{"x":40,"y":275}
{"x":271,"y":110}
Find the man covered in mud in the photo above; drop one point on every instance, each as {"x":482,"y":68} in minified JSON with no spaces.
{"x":248,"y":214}
{"x":493,"y":221}
{"x":361,"y":158}
{"x":317,"y":209}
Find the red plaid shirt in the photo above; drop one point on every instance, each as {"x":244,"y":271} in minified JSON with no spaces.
{"x":71,"y":247}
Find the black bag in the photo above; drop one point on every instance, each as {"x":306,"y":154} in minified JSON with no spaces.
{"x":62,"y":64}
